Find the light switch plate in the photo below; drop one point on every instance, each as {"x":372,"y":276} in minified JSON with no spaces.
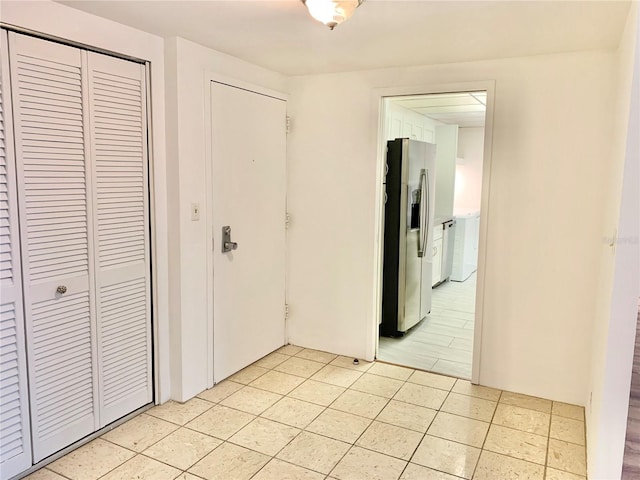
{"x":195,"y":212}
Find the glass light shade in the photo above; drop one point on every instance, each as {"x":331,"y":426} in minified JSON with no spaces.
{"x":331,"y":12}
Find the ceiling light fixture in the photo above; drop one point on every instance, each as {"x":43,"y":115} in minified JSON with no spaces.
{"x":332,"y":12}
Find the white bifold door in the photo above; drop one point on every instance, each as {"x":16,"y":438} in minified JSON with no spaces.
{"x":79,"y":122}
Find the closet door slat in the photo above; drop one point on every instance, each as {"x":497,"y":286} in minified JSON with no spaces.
{"x":117,"y":94}
{"x":15,"y":441}
{"x":49,"y":82}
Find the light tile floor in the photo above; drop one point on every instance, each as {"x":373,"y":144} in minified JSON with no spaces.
{"x":443,"y":342}
{"x":299,"y":414}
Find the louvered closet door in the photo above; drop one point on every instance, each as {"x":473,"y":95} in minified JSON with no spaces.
{"x":15,"y":443}
{"x":119,"y":152}
{"x":48,"y":91}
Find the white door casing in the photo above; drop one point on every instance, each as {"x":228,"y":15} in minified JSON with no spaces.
{"x":15,"y":433}
{"x":248,"y":150}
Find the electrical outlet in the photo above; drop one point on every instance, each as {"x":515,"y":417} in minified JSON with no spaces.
{"x":195,"y":212}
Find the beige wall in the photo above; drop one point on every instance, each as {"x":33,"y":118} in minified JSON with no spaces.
{"x":189,"y":67}
{"x":550,"y":136}
{"x":615,"y":311}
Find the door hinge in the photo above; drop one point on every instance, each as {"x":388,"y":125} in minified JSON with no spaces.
{"x":287,"y":124}
{"x":287,"y":220}
{"x":286,"y":311}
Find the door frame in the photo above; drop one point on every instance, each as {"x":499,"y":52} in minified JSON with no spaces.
{"x":378,"y":96}
{"x":212,"y":77}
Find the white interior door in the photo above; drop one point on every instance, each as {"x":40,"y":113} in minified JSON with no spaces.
{"x":15,"y":433}
{"x":51,"y":130}
{"x":117,"y":106}
{"x":249,"y":195}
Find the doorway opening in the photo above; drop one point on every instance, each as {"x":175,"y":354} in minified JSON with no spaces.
{"x":441,"y":337}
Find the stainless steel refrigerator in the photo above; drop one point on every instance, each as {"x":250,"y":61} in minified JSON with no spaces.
{"x":408,"y":234}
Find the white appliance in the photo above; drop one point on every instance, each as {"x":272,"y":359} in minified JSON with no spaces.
{"x":408,"y":235}
{"x":465,"y":250}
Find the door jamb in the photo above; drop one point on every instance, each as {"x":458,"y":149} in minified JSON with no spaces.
{"x":378,"y":96}
{"x":210,"y":77}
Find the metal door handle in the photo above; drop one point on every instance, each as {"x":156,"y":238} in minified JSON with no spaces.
{"x":227,"y":244}
{"x":61,"y":289}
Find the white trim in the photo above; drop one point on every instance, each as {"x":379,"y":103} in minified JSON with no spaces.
{"x":378,"y":95}
{"x":210,"y":77}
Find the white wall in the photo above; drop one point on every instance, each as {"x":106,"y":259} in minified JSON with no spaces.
{"x":550,"y":136}
{"x":188,"y":67}
{"x":469,"y":170}
{"x":57,"y":20}
{"x":616,"y":309}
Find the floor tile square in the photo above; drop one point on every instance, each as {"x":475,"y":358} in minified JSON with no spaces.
{"x":360,"y":464}
{"x":187,"y":476}
{"x":567,"y":410}
{"x":432,"y":380}
{"x":517,"y":444}
{"x":421,"y":395}
{"x":493,"y":466}
{"x":314,"y":452}
{"x":566,"y":429}
{"x":44,"y":474}
{"x":248,"y":374}
{"x":299,"y":366}
{"x":339,"y":425}
{"x":391,"y":440}
{"x":553,"y":474}
{"x":220,"y":422}
{"x":459,"y":429}
{"x":265,"y":436}
{"x":360,"y":403}
{"x":391,"y":371}
{"x":140,"y":432}
{"x":341,"y":377}
{"x":446,"y":456}
{"x":220,"y":391}
{"x":377,"y":385}
{"x":289,"y":350}
{"x":229,"y":462}
{"x":471,"y":407}
{"x":251,"y":400}
{"x":465,"y":387}
{"x":317,"y":392}
{"x":143,"y":468}
{"x":316,"y":355}
{"x":272,"y":360}
{"x":293,"y":412}
{"x":567,"y":457}
{"x":277,"y":382}
{"x":182,"y":448}
{"x":91,"y":461}
{"x":522,"y":419}
{"x":279,"y":470}
{"x":406,"y":415}
{"x":526,"y":401}
{"x":417,"y":472}
{"x":180,"y":413}
{"x":347,"y":362}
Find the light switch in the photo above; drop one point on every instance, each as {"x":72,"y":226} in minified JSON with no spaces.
{"x":195,"y":212}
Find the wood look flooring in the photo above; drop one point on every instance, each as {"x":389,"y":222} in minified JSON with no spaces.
{"x":443,"y":342}
{"x":631,"y":466}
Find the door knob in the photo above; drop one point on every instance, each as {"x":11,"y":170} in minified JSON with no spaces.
{"x":227,"y":244}
{"x":61,"y":289}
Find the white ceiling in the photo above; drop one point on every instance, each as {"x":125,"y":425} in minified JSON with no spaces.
{"x":462,"y":109}
{"x":281,"y":36}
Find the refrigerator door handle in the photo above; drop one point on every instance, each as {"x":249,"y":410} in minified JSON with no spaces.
{"x":424,"y":212}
